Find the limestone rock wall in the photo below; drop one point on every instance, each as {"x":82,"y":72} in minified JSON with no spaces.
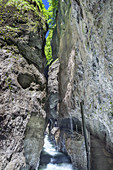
{"x":23,"y":24}
{"x":76,"y":149}
{"x":85,"y":41}
{"x":22,"y":86}
{"x":53,"y":92}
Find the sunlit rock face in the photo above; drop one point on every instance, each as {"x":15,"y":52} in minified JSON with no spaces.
{"x":22,"y":87}
{"x":84,"y":35}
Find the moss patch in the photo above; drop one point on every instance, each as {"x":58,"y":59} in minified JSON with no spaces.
{"x":18,"y":17}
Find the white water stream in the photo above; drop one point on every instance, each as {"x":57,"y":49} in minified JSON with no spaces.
{"x":55,"y":158}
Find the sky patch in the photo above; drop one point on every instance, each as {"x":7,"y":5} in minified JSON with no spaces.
{"x":46,"y":3}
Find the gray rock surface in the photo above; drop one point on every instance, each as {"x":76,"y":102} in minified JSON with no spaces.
{"x":34,"y":136}
{"x":76,"y":149}
{"x":20,"y":108}
{"x":22,"y":85}
{"x":70,"y":139}
{"x":53,"y":90}
{"x":85,"y":42}
{"x":23,"y":25}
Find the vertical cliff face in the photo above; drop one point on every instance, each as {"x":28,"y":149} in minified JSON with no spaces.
{"x":67,"y":131}
{"x":84,"y":38}
{"x":22,"y":85}
{"x":53,"y":92}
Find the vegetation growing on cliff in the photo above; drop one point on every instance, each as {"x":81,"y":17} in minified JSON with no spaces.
{"x":52,"y":10}
{"x":15,"y":14}
{"x":18,"y":9}
{"x":49,"y":15}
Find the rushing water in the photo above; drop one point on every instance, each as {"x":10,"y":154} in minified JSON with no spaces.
{"x":51,"y":159}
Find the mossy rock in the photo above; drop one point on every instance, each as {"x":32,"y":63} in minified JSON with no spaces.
{"x":18,"y":16}
{"x":22,"y":24}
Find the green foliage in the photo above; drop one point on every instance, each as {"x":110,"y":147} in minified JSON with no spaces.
{"x":41,"y":8}
{"x":49,"y":15}
{"x":48,"y":49}
{"x":52,"y":24}
{"x":20,"y":4}
{"x":26,"y":5}
{"x":52,"y":12}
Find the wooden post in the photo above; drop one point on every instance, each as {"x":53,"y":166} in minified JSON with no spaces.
{"x":85,"y":134}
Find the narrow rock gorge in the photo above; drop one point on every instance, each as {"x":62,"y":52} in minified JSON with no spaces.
{"x":84,"y":41}
{"x":36,"y":98}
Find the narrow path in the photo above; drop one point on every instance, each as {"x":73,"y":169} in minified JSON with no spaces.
{"x":101,"y":159}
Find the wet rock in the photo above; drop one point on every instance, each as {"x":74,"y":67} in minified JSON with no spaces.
{"x":45,"y":158}
{"x":61,"y":158}
{"x":72,"y":143}
{"x":56,"y":132}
